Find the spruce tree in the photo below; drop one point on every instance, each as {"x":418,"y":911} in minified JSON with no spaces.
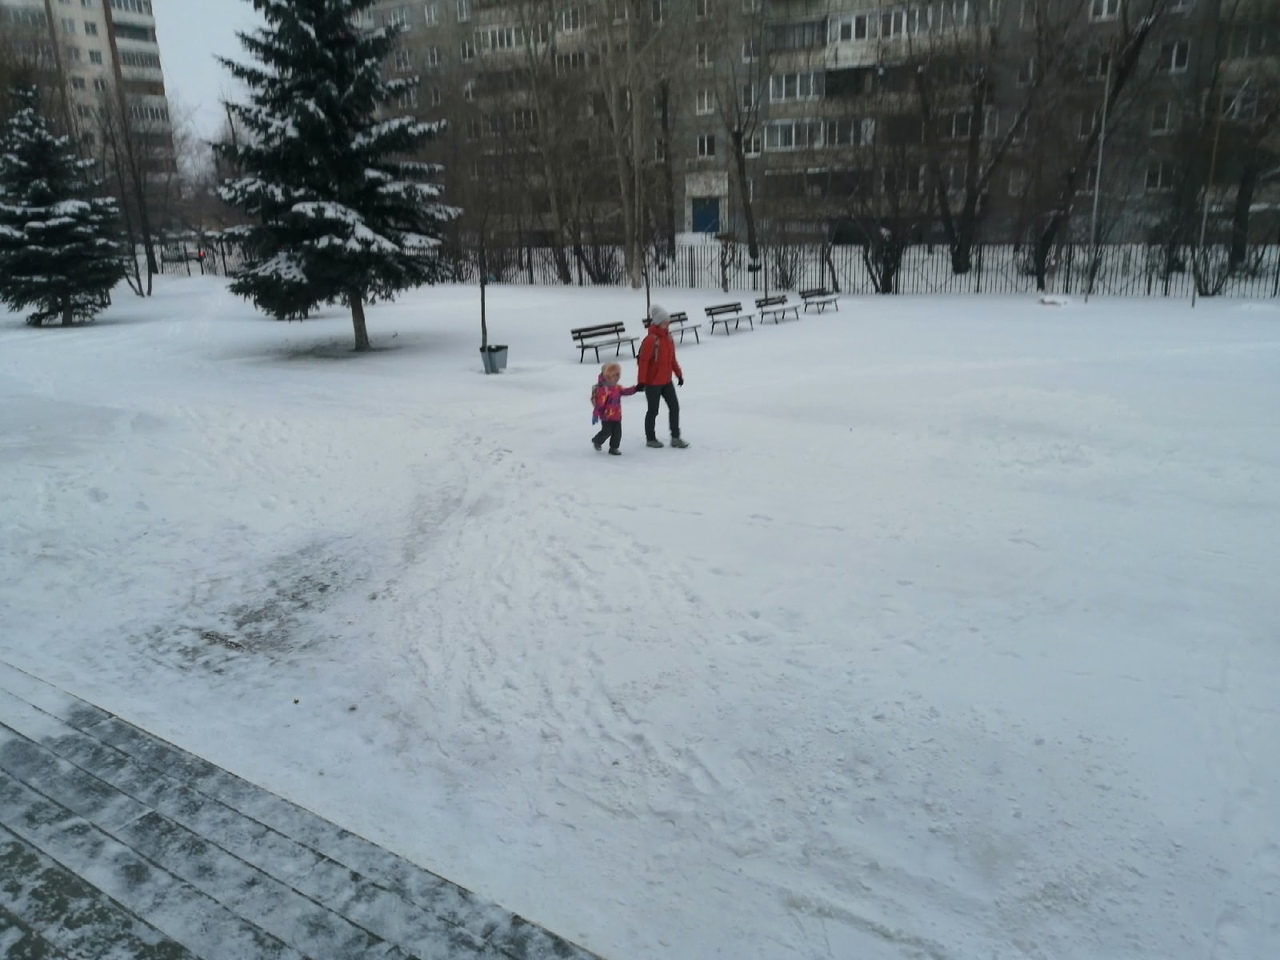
{"x":341,"y":214}
{"x":58,"y":246}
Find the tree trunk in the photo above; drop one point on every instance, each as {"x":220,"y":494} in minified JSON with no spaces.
{"x":748,"y":214}
{"x":1240,"y":219}
{"x":66,"y":311}
{"x":357,"y":320}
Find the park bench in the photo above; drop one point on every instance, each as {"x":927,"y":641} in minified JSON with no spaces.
{"x":819,"y":297}
{"x":727,"y":313}
{"x":777,"y":308}
{"x":602,"y":335}
{"x":680,"y":324}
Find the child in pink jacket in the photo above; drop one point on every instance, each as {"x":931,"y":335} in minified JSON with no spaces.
{"x":606,"y":407}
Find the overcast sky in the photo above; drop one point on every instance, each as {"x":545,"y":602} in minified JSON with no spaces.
{"x":191,"y":35}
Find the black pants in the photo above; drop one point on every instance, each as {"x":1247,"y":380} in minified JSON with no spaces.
{"x":610,"y":430}
{"x":665,"y":392}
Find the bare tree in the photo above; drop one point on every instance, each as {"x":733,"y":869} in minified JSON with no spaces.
{"x":1065,"y":162}
{"x":136,"y":148}
{"x":971,"y":57}
{"x":739,"y":86}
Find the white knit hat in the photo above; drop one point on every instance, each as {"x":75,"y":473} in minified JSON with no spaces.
{"x":658,"y":315}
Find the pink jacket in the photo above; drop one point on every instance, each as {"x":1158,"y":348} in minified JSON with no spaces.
{"x":606,"y":400}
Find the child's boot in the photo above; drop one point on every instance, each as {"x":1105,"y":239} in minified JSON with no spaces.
{"x":655,"y":442}
{"x":677,"y":442}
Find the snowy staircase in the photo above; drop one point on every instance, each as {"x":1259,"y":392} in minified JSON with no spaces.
{"x":115,"y":844}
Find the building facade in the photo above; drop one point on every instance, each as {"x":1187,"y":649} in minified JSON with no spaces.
{"x":846,"y":120}
{"x":96,"y":52}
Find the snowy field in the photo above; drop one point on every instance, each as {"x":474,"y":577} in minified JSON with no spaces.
{"x":954,"y":634}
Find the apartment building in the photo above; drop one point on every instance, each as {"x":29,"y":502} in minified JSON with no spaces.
{"x":93,"y":49}
{"x":826,"y":119}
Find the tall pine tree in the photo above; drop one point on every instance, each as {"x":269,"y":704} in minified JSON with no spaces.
{"x":58,"y":246}
{"x":341,"y":215}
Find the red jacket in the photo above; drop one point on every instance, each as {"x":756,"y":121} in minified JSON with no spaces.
{"x":658,"y":358}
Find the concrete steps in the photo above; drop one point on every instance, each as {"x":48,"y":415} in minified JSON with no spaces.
{"x":114,"y":843}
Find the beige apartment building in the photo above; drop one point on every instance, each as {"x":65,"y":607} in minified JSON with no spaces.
{"x":90,"y":49}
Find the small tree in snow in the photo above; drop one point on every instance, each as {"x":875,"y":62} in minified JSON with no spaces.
{"x":338,"y":219}
{"x":58,"y":248}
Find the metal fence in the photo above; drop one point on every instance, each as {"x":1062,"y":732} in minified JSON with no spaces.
{"x":1126,"y":270}
{"x":193,"y":258}
{"x":1118,"y":270}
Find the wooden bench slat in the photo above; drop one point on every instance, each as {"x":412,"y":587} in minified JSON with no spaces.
{"x":776,"y":307}
{"x":602,"y":335}
{"x":821,"y":298}
{"x":725,"y":313}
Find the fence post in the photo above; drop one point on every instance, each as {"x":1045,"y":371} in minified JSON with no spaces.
{"x":977,"y":283}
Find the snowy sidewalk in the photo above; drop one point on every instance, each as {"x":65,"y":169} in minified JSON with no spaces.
{"x":115,"y":844}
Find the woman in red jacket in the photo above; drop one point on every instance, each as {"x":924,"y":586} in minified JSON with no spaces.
{"x":657,"y":365}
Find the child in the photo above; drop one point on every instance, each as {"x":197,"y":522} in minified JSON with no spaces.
{"x":606,"y":407}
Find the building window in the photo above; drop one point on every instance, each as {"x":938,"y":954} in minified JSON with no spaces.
{"x":748,"y":96}
{"x":659,"y":10}
{"x":433,"y":96}
{"x":706,"y":145}
{"x":794,"y":134}
{"x":1027,"y":72}
{"x":100,"y":85}
{"x":68,"y":25}
{"x":795,"y":86}
{"x":469,"y":91}
{"x":78,"y":83}
{"x":1100,"y":10}
{"x":1097,"y":64}
{"x":95,"y":57}
{"x":1162,"y":118}
{"x":1159,"y":176}
{"x":90,"y":28}
{"x":85,"y":112}
{"x":753,"y":145}
{"x":1175,"y":55}
{"x":751,"y":50}
{"x":752,"y":6}
{"x":402,"y":60}
{"x":466,"y":51}
{"x":1088,"y":121}
{"x":893,"y":23}
{"x":706,"y":102}
{"x":431,"y":12}
{"x":464,"y":11}
{"x":703,"y":55}
{"x":659,"y":150}
{"x":433,"y":56}
{"x":571,"y":20}
{"x":859,"y":26}
{"x":701,"y":9}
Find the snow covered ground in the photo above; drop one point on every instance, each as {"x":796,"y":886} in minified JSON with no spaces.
{"x":955,"y":634}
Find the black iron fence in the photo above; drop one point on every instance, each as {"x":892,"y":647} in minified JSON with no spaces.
{"x":1117,"y":270}
{"x":194,"y":257}
{"x":1129,"y":270}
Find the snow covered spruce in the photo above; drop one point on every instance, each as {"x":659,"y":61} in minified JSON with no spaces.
{"x":58,"y":246}
{"x":338,"y":220}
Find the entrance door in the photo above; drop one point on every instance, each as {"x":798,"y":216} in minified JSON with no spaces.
{"x":706,"y":214}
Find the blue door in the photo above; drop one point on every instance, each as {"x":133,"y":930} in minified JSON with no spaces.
{"x":706,"y":214}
